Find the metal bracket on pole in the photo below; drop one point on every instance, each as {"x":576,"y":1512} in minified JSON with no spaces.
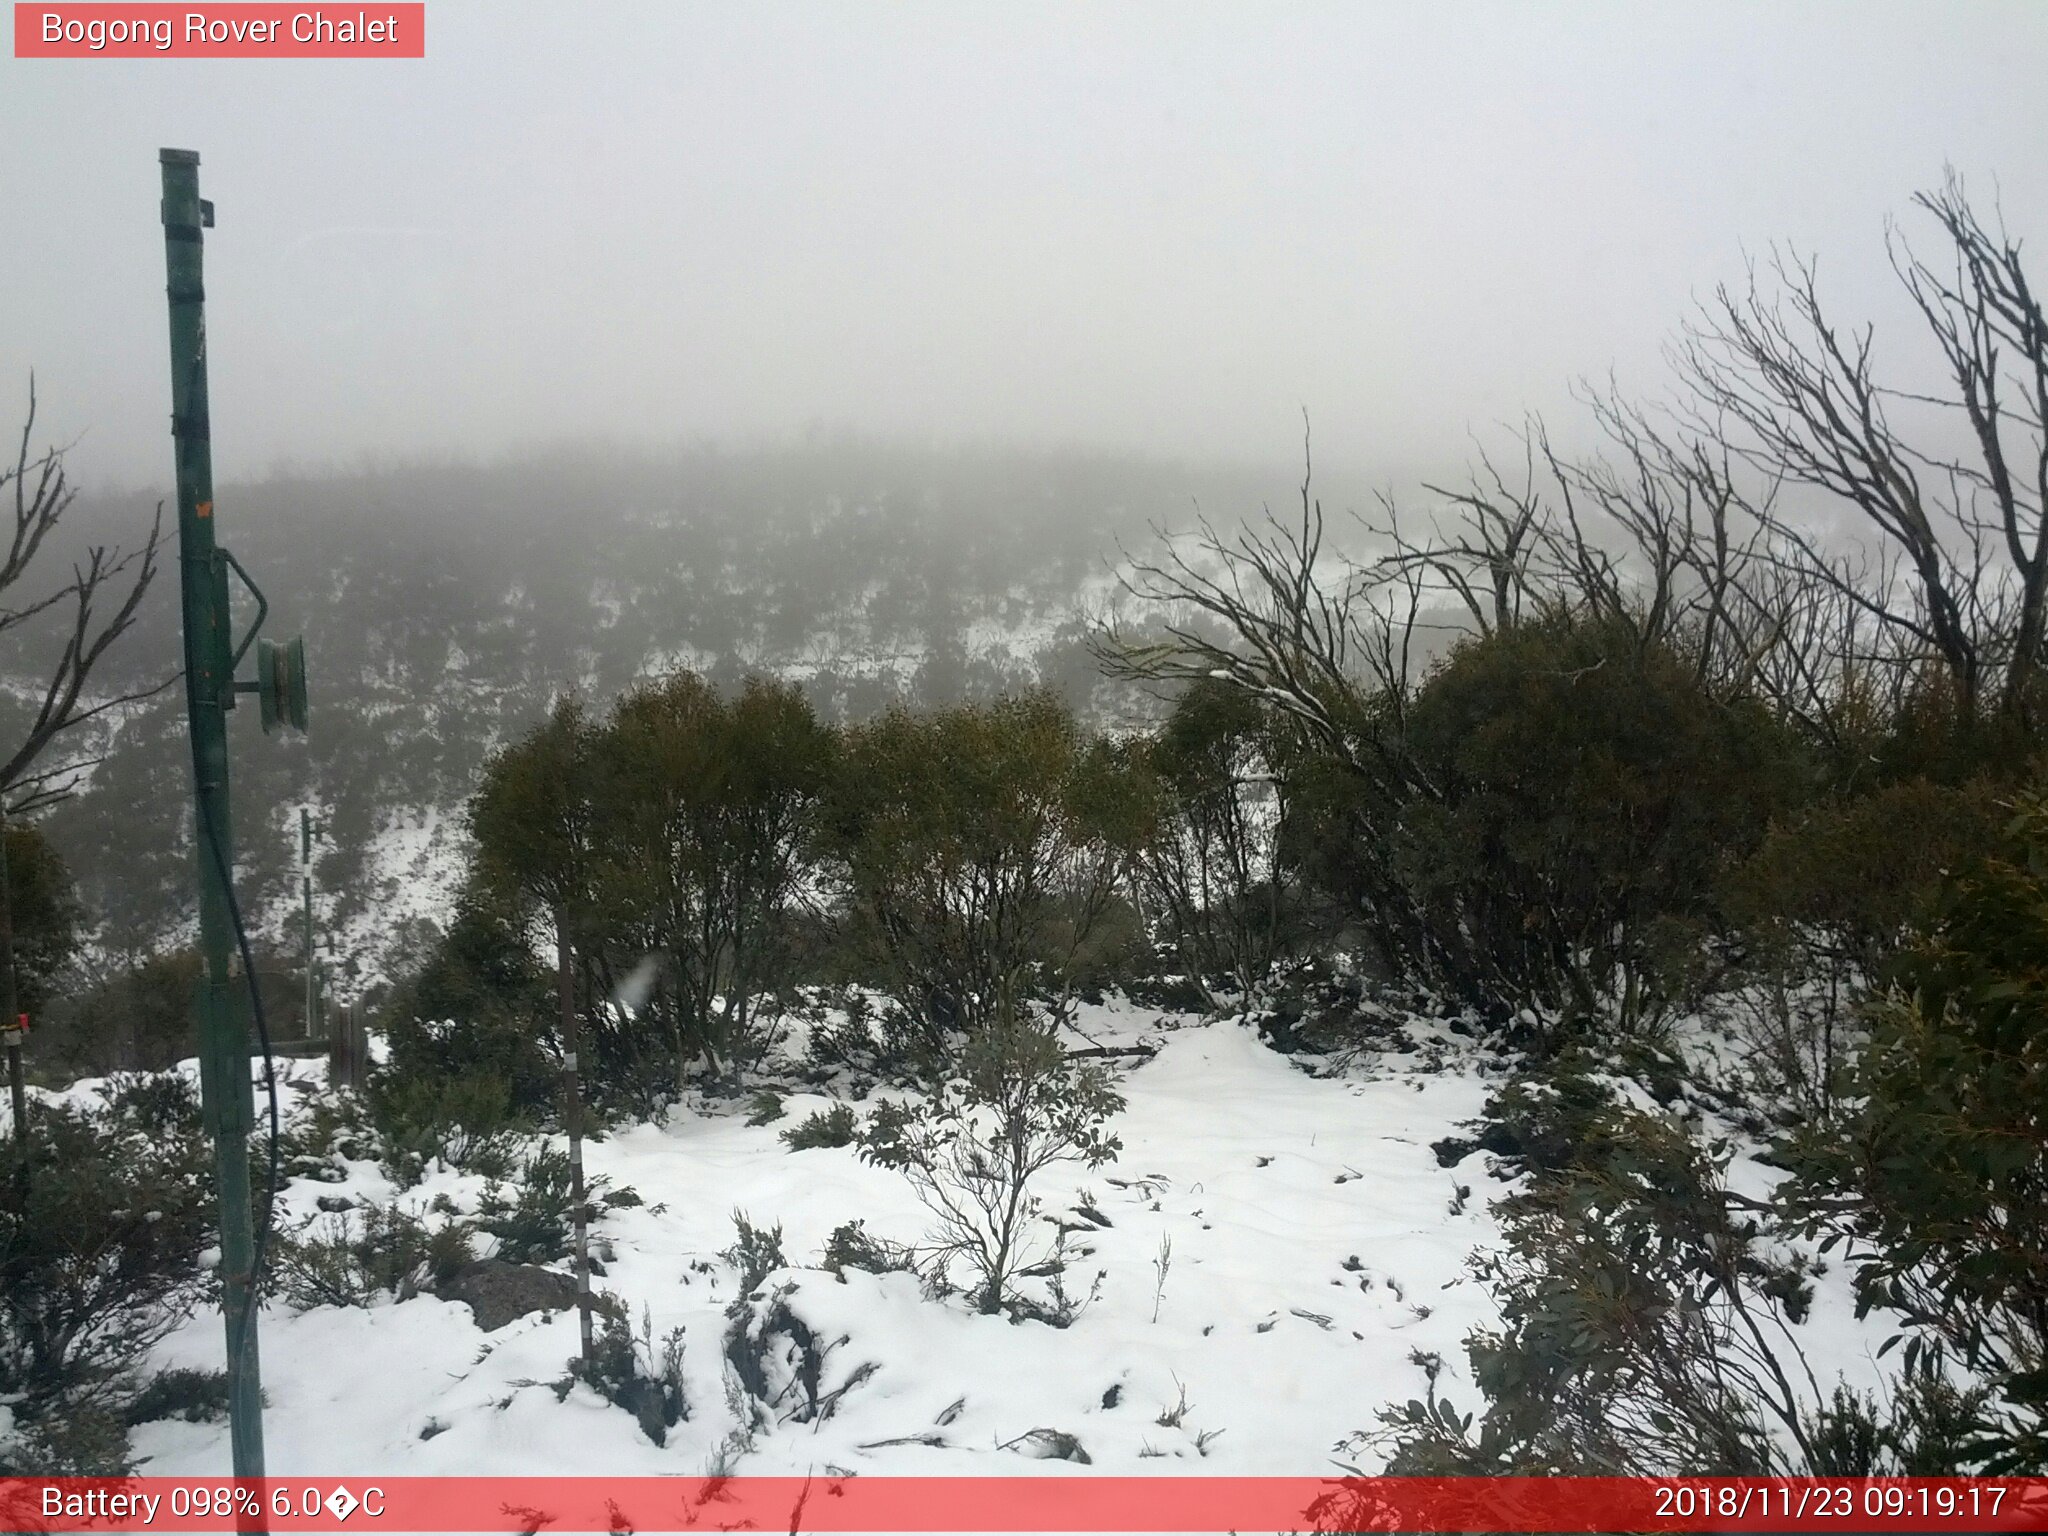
{"x":262,"y":609}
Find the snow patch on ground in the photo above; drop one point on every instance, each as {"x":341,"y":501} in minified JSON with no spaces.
{"x":1315,"y":1254}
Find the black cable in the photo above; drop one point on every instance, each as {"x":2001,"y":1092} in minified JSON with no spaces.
{"x":227,"y":884}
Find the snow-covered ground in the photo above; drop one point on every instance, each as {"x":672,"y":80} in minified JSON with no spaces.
{"x":1318,"y":1253}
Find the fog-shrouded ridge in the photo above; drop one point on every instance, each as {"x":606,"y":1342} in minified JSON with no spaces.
{"x":446,"y":605}
{"x":1159,"y":227}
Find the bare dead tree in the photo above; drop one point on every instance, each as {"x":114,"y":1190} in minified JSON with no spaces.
{"x":1316,"y":638}
{"x":1326,"y":646}
{"x":1989,"y":324}
{"x":1652,"y":536}
{"x":1962,"y":547}
{"x":1483,"y":560}
{"x":72,"y":611}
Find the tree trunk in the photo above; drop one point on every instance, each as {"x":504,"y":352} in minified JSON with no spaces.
{"x":10,"y":999}
{"x":572,"y":1120}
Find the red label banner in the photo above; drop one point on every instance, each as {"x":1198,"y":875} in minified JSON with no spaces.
{"x":243,"y":31}
{"x":1053,"y":1502}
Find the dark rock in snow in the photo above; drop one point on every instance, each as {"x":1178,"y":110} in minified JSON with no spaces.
{"x":1453,"y":1150}
{"x":500,"y":1293}
{"x":1050,"y":1445}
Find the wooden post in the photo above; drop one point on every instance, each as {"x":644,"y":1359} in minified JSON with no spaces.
{"x":348,"y":1050}
{"x":338,"y":1075}
{"x":572,"y":1119}
{"x":12,"y":1021}
{"x":17,"y":1084}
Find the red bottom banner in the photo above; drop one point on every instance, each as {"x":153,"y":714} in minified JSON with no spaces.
{"x":1051,"y":1502}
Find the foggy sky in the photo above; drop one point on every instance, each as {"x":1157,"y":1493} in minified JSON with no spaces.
{"x":1167,"y":227}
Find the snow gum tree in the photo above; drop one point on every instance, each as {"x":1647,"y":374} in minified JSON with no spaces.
{"x":710,"y":808}
{"x":976,"y":843}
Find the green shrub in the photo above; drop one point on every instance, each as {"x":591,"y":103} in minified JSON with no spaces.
{"x":1648,"y":1330}
{"x":756,"y":1254}
{"x":1170,"y":993}
{"x":850,"y":1247}
{"x":889,"y":1042}
{"x":1584,"y":794}
{"x":834,"y":1127}
{"x":978,"y":842}
{"x":138,"y":1019}
{"x":1209,"y":861}
{"x":100,"y":1244}
{"x":354,"y":1258}
{"x":462,"y":1122}
{"x":155,"y":1103}
{"x":708,"y":804}
{"x":972,"y":1147}
{"x":66,"y":1440}
{"x":1544,"y":1120}
{"x":532,"y":1225}
{"x":1823,"y":905}
{"x":1853,"y":873}
{"x":198,"y":1397}
{"x":331,"y":1130}
{"x":45,"y":912}
{"x":1937,"y":1179}
{"x":481,"y":1006}
{"x":634,"y":1372}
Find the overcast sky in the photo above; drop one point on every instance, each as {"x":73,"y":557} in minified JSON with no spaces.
{"x":1167,"y":227}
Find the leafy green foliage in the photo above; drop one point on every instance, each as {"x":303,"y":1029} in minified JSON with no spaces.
{"x":534,"y":821}
{"x":756,"y":1253}
{"x":139,"y":1018}
{"x":1648,"y":1328}
{"x":1940,"y":1177}
{"x":1583,"y":793}
{"x":330,"y":1130}
{"x":834,"y":1127}
{"x":481,"y":1003}
{"x":972,"y":1147}
{"x":45,"y":911}
{"x":1823,"y":905}
{"x":850,"y":1247}
{"x":708,"y":810}
{"x":633,"y":1371}
{"x":68,"y":1440}
{"x":464,"y":1121}
{"x":1856,"y":872}
{"x":532,"y":1224}
{"x":977,"y":842}
{"x":882,"y":1042}
{"x":353,"y":1258}
{"x":100,"y":1245}
{"x":197,"y":1397}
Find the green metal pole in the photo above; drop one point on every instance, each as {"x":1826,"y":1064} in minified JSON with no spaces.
{"x":226,"y":1095}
